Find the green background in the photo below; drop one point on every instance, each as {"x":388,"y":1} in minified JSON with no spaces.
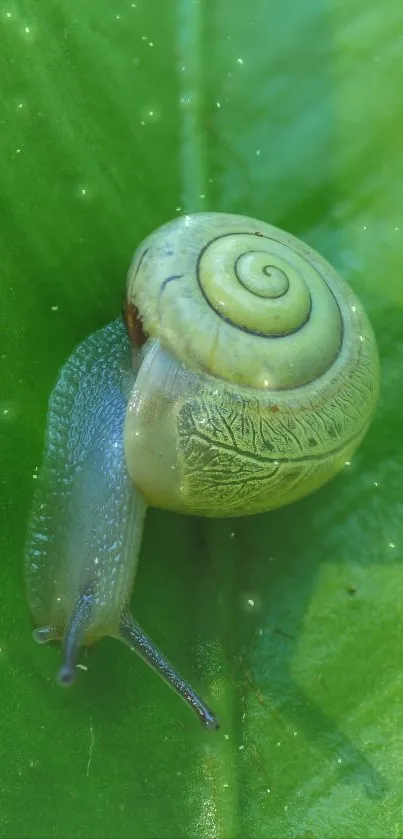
{"x":115,"y":117}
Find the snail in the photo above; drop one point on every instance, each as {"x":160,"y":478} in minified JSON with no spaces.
{"x":250,"y":378}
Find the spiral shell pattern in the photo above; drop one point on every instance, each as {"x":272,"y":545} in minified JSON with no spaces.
{"x":265,"y":374}
{"x":239,"y":299}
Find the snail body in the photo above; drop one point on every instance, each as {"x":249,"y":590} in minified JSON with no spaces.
{"x":254,"y":377}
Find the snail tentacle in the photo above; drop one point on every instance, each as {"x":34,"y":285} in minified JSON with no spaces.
{"x":73,"y":637}
{"x":46,"y":634}
{"x":135,"y":638}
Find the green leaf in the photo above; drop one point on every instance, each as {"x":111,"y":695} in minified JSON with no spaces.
{"x":115,"y":118}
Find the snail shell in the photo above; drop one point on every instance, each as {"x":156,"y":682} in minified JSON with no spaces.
{"x":261,"y":375}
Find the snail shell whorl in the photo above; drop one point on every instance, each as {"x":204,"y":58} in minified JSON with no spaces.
{"x":268,"y":310}
{"x":276,"y":373}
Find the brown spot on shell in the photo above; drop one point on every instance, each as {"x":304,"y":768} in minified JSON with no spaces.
{"x":134,"y":324}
